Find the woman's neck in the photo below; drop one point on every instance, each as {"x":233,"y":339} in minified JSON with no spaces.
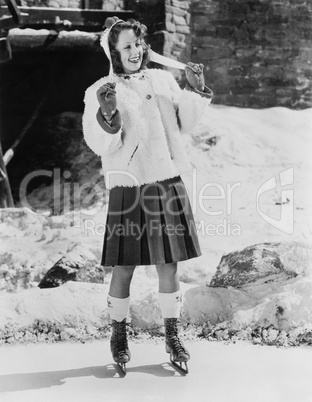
{"x":132,"y":74}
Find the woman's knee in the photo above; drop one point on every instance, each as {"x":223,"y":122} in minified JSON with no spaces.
{"x":124,"y":271}
{"x":166,"y":269}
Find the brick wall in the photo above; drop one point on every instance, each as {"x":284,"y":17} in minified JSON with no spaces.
{"x":257,"y":53}
{"x":168,"y":23}
{"x":177,"y":37}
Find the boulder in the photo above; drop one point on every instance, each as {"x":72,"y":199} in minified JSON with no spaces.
{"x":264,"y":262}
{"x":78,"y":265}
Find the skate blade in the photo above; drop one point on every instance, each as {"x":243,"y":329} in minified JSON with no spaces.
{"x":179,"y":366}
{"x":122,"y":368}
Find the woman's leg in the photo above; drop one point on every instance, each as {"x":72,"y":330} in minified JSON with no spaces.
{"x":169,"y":290}
{"x":119,"y":292}
{"x":118,"y":301}
{"x":170,"y":305}
{"x":168,"y":278}
{"x":120,"y":282}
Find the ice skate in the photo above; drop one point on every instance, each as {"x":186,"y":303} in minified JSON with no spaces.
{"x":119,"y":345}
{"x":179,"y":355}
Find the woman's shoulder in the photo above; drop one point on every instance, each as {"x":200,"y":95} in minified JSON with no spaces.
{"x":165,"y":80}
{"x":157,"y":72}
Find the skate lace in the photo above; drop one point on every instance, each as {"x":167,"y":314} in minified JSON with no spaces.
{"x":175,"y":340}
{"x":120,"y":336}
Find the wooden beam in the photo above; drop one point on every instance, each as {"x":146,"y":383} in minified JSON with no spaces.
{"x":14,"y":10}
{"x":10,"y":15}
{"x":6,"y":199}
{"x":26,"y":40}
{"x":46,"y":17}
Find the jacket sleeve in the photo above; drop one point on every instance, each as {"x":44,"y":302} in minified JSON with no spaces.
{"x":190,"y":105}
{"x":97,"y":134}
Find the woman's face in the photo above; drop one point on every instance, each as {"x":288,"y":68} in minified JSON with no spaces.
{"x":131,"y":51}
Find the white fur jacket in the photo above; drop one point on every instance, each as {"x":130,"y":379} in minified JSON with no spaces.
{"x":147,"y":147}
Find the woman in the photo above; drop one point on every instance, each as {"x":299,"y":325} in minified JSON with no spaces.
{"x":134,"y":119}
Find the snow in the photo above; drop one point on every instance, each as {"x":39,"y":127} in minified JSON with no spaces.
{"x":236,"y":151}
{"x":217,"y":372}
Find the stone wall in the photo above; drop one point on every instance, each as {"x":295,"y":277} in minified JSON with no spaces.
{"x":257,"y":53}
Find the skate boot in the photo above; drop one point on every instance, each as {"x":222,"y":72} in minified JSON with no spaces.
{"x":119,"y":344}
{"x":178,"y":354}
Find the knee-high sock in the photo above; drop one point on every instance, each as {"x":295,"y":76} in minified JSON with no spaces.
{"x":118,"y":308}
{"x":170,"y":304}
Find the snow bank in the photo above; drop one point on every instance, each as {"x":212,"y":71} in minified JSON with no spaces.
{"x":284,"y":306}
{"x":78,"y":311}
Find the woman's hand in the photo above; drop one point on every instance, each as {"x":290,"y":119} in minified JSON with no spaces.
{"x":195,"y":75}
{"x":106,"y":96}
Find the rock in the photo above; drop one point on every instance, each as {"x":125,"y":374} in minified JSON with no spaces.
{"x":71,"y":332}
{"x":262,"y":263}
{"x":146,"y":312}
{"x":270,"y":336}
{"x":90,"y":330}
{"x":78,"y":265}
{"x":4,"y":269}
{"x":306,"y":338}
{"x":222,"y":335}
{"x":256,"y":341}
{"x":64,"y":336}
{"x":242,"y":335}
{"x":282,"y":339}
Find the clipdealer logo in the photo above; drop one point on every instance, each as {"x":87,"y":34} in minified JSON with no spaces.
{"x":72,"y":194}
{"x":286,"y":221}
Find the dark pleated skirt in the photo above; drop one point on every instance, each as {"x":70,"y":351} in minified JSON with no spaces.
{"x":150,"y":224}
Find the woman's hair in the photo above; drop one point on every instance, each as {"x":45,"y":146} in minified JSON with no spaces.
{"x":139,"y":30}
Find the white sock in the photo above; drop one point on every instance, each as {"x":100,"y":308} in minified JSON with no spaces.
{"x":170,"y":304}
{"x":118,"y":308}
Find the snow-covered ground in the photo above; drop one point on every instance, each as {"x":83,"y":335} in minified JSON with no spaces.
{"x":234,"y":152}
{"x":218,"y":372}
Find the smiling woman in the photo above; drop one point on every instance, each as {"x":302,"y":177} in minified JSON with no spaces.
{"x":126,"y":41}
{"x":133,"y":119}
{"x":131,"y":51}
